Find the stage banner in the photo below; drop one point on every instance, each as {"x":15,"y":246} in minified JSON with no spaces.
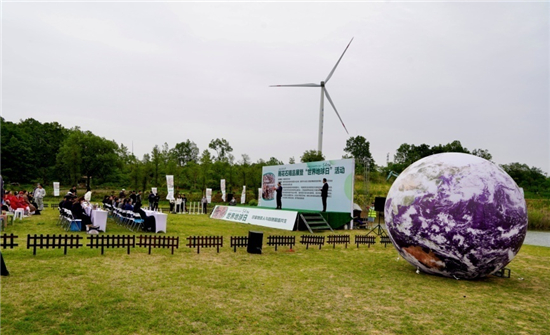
{"x":257,"y":216}
{"x":302,"y":185}
{"x":170,"y":186}
{"x":209,"y":195}
{"x":243,"y":195}
{"x":55,"y":188}
{"x":222,"y":188}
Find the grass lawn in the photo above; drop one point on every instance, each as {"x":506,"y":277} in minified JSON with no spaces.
{"x":329,"y":291}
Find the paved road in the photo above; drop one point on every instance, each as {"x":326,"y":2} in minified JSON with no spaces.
{"x":540,"y":238}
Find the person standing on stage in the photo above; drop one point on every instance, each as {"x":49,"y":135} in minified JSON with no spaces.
{"x":279,"y":190}
{"x":324,"y":194}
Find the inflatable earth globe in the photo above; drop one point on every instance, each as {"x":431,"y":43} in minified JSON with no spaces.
{"x":456,"y":215}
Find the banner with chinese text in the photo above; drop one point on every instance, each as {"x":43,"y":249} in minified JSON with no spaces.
{"x":257,"y":216}
{"x":302,"y":185}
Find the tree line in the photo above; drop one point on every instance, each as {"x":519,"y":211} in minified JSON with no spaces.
{"x":46,"y":152}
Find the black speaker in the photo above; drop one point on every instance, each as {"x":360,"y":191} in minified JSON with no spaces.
{"x":379,"y":204}
{"x":255,"y":242}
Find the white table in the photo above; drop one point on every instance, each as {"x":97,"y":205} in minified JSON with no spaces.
{"x":99,"y":218}
{"x":160,"y":220}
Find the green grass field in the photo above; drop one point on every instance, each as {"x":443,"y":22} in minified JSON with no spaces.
{"x":329,"y":291}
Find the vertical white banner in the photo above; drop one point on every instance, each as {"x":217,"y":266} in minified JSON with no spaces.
{"x":55,"y":188}
{"x":222,"y":187}
{"x":243,"y":195}
{"x":154,"y":190}
{"x":259,"y":197}
{"x":170,"y":186}
{"x":209,"y":195}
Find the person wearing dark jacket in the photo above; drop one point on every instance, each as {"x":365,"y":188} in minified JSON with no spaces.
{"x":279,"y":190}
{"x":151,"y":200}
{"x":324,"y":194}
{"x":79,"y":213}
{"x":149,"y":222}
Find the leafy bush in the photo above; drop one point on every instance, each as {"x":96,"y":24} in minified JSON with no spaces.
{"x":253,"y":202}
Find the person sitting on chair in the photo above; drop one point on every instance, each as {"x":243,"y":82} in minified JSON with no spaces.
{"x":80,"y":214}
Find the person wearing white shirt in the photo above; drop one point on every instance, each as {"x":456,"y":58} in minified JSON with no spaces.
{"x":88,"y":195}
{"x":39,"y":194}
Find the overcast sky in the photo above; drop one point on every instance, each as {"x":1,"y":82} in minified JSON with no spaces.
{"x":149,"y":73}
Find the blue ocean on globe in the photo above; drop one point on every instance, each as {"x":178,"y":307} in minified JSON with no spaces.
{"x":456,"y":215}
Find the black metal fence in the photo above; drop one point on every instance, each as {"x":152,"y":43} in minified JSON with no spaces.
{"x":8,"y":241}
{"x":151,"y":241}
{"x":281,"y":240}
{"x":54,"y":241}
{"x":365,"y":239}
{"x":112,"y":241}
{"x":205,"y":242}
{"x":238,"y":242}
{"x":313,"y":240}
{"x":338,"y":239}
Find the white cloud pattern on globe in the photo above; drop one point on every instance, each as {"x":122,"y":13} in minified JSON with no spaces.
{"x":456,"y":215}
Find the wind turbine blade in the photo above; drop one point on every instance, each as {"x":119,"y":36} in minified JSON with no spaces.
{"x":297,"y":85}
{"x":338,"y":62}
{"x":332,"y":104}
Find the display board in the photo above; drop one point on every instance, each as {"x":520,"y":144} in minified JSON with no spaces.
{"x":257,"y":216}
{"x":302,"y":185}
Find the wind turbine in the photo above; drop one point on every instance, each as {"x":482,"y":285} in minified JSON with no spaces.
{"x":323,"y":93}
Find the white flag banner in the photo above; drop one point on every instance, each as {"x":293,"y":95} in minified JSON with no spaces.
{"x":243,"y":195}
{"x":209,"y":195}
{"x":55,"y":188}
{"x":222,"y":187}
{"x":259,"y":197}
{"x":170,"y":186}
{"x":154,"y":190}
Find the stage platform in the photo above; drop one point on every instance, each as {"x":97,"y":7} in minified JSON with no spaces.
{"x":335,"y":219}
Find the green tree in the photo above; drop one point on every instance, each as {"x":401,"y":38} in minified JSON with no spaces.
{"x":482,"y":153}
{"x":45,"y":141}
{"x":530,"y":178}
{"x":156,"y":164}
{"x":84,"y":154}
{"x":185,"y":152}
{"x":312,"y":156}
{"x":206,"y":167}
{"x":274,"y":161}
{"x":359,"y":148}
{"x":17,"y":154}
{"x":222,"y":148}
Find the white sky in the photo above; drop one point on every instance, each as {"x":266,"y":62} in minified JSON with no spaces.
{"x":149,"y":73}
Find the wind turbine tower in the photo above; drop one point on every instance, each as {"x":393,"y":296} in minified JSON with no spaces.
{"x":324,"y":93}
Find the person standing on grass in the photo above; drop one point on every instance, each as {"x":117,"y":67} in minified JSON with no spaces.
{"x":39,"y":195}
{"x":151,"y":200}
{"x":204,"y":202}
{"x":324,"y":194}
{"x":279,"y":190}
